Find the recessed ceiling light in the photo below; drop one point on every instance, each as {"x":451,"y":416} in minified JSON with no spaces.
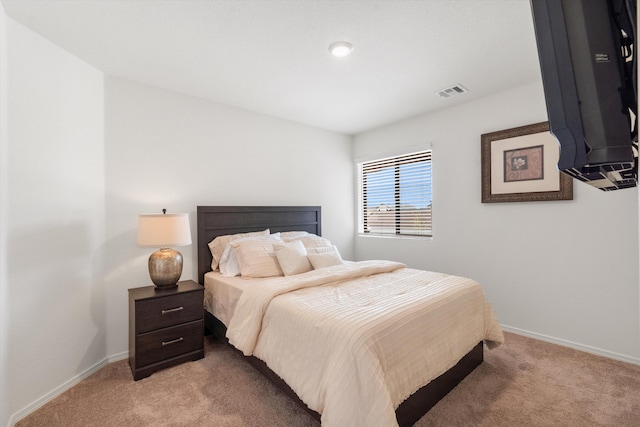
{"x":341,"y":49}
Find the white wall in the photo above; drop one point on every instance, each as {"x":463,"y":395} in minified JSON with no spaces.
{"x":53,"y":217}
{"x":165,"y":150}
{"x":4,"y":189}
{"x":566,"y":271}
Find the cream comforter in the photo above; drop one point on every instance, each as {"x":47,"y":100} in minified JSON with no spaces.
{"x":354,"y":341}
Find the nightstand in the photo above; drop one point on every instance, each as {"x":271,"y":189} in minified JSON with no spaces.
{"x":166,"y":327}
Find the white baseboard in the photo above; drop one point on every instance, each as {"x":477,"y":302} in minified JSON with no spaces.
{"x":570,"y":344}
{"x":118,"y":356}
{"x":64,"y":387}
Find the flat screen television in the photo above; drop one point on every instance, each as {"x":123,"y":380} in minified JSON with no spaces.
{"x":589,"y":72}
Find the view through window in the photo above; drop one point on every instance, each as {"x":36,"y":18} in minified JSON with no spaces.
{"x":395,"y":195}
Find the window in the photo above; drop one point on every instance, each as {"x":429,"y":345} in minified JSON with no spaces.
{"x":395,"y":195}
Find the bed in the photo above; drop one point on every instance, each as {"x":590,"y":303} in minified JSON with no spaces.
{"x":215,"y":221}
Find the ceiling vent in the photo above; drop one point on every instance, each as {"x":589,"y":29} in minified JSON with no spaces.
{"x":452,"y":91}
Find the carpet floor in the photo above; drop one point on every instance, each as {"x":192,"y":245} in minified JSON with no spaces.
{"x":524,"y":382}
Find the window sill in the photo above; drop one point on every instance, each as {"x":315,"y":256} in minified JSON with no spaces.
{"x":394,"y":236}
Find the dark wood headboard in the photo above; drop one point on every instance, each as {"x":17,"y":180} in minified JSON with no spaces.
{"x":214,"y":221}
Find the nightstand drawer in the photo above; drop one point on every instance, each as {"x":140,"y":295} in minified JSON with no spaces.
{"x":168,"y":311}
{"x":156,"y":346}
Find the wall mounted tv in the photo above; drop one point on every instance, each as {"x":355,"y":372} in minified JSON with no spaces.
{"x":589,"y":73}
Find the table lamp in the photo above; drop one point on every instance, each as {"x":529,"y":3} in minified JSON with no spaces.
{"x":162,"y":231}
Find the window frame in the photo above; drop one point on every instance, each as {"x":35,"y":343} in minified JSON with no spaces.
{"x":389,"y":156}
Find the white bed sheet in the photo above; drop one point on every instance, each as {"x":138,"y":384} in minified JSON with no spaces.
{"x":221,"y":294}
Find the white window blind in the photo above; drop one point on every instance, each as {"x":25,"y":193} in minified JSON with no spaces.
{"x":395,"y":195}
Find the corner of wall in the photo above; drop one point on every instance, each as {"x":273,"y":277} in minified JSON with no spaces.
{"x":4,"y":417}
{"x":65,"y":94}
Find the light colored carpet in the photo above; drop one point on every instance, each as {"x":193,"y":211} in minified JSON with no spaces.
{"x":524,"y":382}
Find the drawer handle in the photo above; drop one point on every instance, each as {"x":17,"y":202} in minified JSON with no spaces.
{"x":171,"y":310}
{"x":177,"y":340}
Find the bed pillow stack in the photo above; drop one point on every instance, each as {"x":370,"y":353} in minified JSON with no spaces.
{"x":259,"y":255}
{"x":230,"y":264}
{"x":217,"y":245}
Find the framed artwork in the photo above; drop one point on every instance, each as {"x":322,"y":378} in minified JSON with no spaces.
{"x":520,"y":165}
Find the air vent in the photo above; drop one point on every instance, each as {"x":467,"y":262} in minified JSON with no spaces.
{"x":452,"y":91}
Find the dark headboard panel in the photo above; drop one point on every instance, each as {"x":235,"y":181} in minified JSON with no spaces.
{"x":214,"y":221}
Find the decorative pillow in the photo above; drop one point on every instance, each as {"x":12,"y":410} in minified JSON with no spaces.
{"x":313,"y":241}
{"x":287,"y":236}
{"x":217,"y":245}
{"x":229,"y":265}
{"x":292,"y":257}
{"x":323,"y":250}
{"x":324,"y":260}
{"x":257,"y":258}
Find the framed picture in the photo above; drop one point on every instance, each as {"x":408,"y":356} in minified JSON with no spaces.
{"x":520,"y":165}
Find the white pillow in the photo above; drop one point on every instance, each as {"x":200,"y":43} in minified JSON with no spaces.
{"x":229,"y":265}
{"x":313,"y":241}
{"x":287,"y":236}
{"x":323,"y":250}
{"x":292,"y":257}
{"x":257,"y":258}
{"x":217,"y":245}
{"x":327,"y":259}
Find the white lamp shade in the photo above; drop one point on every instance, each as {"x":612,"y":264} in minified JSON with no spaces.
{"x":163,"y":230}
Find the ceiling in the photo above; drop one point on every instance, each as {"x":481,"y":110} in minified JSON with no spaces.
{"x":272,"y":56}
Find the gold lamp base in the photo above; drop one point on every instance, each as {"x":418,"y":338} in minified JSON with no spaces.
{"x":165,"y":267}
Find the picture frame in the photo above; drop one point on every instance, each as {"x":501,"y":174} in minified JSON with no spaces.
{"x":520,"y":165}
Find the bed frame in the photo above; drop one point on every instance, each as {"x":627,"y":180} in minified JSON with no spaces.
{"x":215,"y":221}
